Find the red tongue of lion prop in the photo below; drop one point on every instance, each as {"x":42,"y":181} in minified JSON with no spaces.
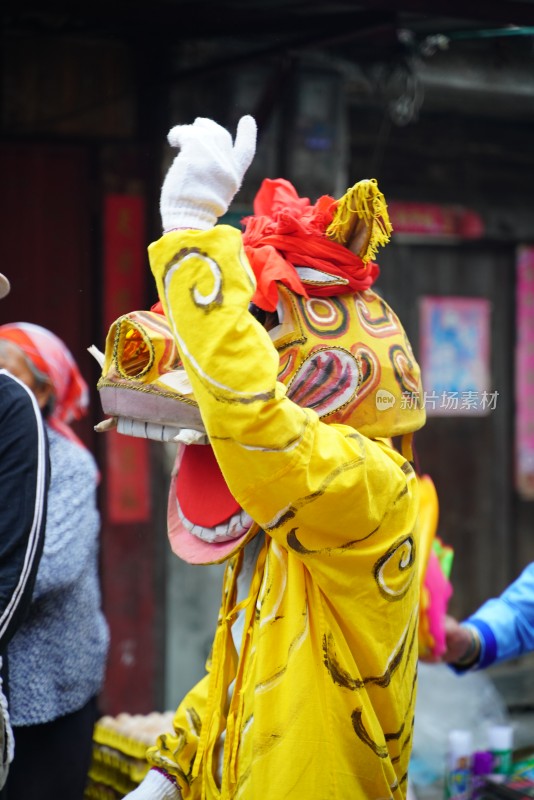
{"x":202,"y":493}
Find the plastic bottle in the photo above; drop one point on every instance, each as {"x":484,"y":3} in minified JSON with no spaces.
{"x":458,"y":767}
{"x":500,"y":740}
{"x":482,"y":768}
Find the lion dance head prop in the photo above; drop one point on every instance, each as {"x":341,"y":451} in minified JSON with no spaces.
{"x":342,"y":352}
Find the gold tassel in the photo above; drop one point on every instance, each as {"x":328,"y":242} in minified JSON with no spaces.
{"x":366,"y":201}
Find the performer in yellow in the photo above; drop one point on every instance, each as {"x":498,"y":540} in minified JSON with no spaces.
{"x":311,"y":683}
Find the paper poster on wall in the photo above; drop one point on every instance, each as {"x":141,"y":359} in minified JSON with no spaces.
{"x":454,"y":347}
{"x":524,"y":370}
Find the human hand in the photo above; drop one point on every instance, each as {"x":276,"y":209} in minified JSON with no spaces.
{"x":155,"y":786}
{"x":206,"y":173}
{"x":462,"y":643}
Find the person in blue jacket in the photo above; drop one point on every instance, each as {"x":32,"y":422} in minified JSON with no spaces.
{"x":24,"y":480}
{"x":501,"y":629}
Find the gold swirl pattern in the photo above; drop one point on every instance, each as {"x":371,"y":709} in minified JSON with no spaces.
{"x":369,"y":367}
{"x":327,"y":317}
{"x":404,"y":370}
{"x":288,"y":360}
{"x":384,"y":324}
{"x":206,"y":300}
{"x":342,"y":678}
{"x":359,"y":728}
{"x":394,"y":571}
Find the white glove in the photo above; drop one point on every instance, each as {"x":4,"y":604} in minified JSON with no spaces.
{"x":207,"y":172}
{"x":155,"y":786}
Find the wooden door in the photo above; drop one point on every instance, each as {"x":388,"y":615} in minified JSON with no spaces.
{"x":469,"y":458}
{"x":46,"y":246}
{"x":51,"y":203}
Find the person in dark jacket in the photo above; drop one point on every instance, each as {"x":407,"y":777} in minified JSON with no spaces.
{"x":24,"y":478}
{"x":58,"y":655}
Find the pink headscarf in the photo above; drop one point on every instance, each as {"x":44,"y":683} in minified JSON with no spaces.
{"x":53,"y":358}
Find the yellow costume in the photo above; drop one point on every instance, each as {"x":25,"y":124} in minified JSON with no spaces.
{"x":311,"y":684}
{"x":323,"y":691}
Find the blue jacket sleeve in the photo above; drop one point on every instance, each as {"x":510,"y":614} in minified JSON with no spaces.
{"x":24,"y":476}
{"x":506,"y":623}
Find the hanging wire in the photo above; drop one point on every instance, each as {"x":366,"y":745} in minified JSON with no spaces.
{"x":440,"y":41}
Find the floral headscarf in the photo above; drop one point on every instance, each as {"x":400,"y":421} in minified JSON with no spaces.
{"x":53,"y":358}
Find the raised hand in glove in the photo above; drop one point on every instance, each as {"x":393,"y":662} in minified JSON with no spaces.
{"x":206,"y":173}
{"x":155,"y":786}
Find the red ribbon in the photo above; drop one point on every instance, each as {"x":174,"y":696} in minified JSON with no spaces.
{"x":288,"y":231}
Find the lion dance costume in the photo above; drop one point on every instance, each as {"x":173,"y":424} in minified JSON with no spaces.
{"x":285,"y":470}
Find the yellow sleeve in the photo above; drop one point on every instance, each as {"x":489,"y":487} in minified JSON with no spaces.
{"x":310,"y":485}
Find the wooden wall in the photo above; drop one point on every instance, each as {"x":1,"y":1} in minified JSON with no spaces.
{"x":485,"y":164}
{"x":470,"y":458}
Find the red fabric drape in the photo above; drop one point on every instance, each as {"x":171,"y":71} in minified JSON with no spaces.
{"x":288,"y":231}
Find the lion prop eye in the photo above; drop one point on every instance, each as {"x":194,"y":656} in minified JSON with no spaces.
{"x":136,"y":354}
